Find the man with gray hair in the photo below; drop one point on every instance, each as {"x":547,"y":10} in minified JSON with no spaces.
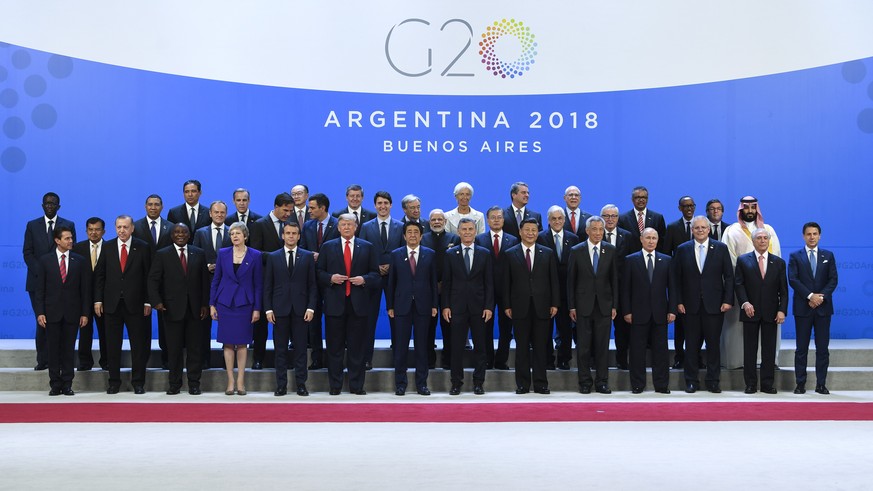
{"x":574,"y":217}
{"x":518,"y":211}
{"x":621,"y":239}
{"x":412,"y":211}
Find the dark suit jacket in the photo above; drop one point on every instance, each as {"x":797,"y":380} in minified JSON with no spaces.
{"x":628,"y":221}
{"x":584,"y":286}
{"x":179,"y":214}
{"x":768,"y":295}
{"x":647,"y":300}
{"x":309,"y":234}
{"x":83,"y":248}
{"x":404,"y":288}
{"x":510,"y":224}
{"x":128,"y":290}
{"x":486,"y":241}
{"x":541,"y":284}
{"x":721,"y":228}
{"x":290,"y":294}
{"x":63,"y":300}
{"x":706,"y":291}
{"x":371,"y":232}
{"x":243,"y":287}
{"x":203,"y":240}
{"x":366,"y":216}
{"x":424,"y":224}
{"x":365,"y":262}
{"x":263,"y":235}
{"x":468,"y":292}
{"x":177,"y":290}
{"x":37,"y":244}
{"x":674,"y":238}
{"x":802,"y":282}
{"x":142,"y":230}
{"x":233,"y":217}
{"x":581,"y":216}
{"x":440,"y":243}
{"x":568,"y":241}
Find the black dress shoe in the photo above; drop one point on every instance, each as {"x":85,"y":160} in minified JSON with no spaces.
{"x":112,"y":390}
{"x":821,"y":389}
{"x":400,"y":391}
{"x":768,"y":390}
{"x":800,"y":389}
{"x":585,"y":389}
{"x":621,"y":365}
{"x":637,"y":390}
{"x":280,"y":392}
{"x":455,"y":391}
{"x":542,"y":390}
{"x":301,"y":390}
{"x":423,"y":391}
{"x":501,"y":366}
{"x":714,"y":388}
{"x":521,"y":390}
{"x":663,"y":390}
{"x":368,"y":365}
{"x":315,"y":366}
{"x":195,"y":391}
{"x":750,"y":389}
{"x":563,"y":365}
{"x":334,"y":392}
{"x":41,"y":366}
{"x":257,"y":365}
{"x":489,"y":366}
{"x":446,"y":367}
{"x":85,"y":368}
{"x":603,"y":389}
{"x":677,"y":365}
{"x":691,"y":388}
{"x":478,"y":390}
{"x":361,"y":392}
{"x":165,"y":366}
{"x":172,"y":391}
{"x":550,"y":366}
{"x":68,"y":391}
{"x":55,"y":392}
{"x":139,"y":389}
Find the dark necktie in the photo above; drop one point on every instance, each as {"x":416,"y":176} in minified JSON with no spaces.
{"x":300,"y":219}
{"x":527,"y":259}
{"x":357,"y":221}
{"x":650,"y":267}
{"x":384,"y":235}
{"x":596,"y":261}
{"x":192,"y":219}
{"x":183,"y":260}
{"x":467,"y":261}
{"x":51,"y":232}
{"x":688,"y":230}
{"x":290,"y":262}
{"x":609,"y":237}
{"x":320,"y":235}
{"x":412,"y":262}
{"x":496,"y":244}
{"x":218,"y":238}
{"x":154,"y":233}
{"x":242,"y":218}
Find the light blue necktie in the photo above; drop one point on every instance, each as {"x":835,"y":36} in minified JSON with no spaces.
{"x":467,"y":261}
{"x":596,"y":261}
{"x":812,"y":263}
{"x":702,"y":256}
{"x":558,"y":247}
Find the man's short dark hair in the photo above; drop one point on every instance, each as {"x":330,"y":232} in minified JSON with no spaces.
{"x":382,"y":194}
{"x":291,"y":223}
{"x":93,"y":220}
{"x":283,"y":199}
{"x":60,"y":230}
{"x":192,"y":181}
{"x":493,"y":208}
{"x":529,"y":220}
{"x":812,"y":224}
{"x":413,"y":224}
{"x":154,"y":196}
{"x":321,"y":201}
{"x":51,"y":194}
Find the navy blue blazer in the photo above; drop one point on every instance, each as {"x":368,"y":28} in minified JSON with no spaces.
{"x":584,"y":286}
{"x":628,"y":221}
{"x":403,"y":288}
{"x":568,"y":241}
{"x":674,"y":237}
{"x":243,"y":287}
{"x":510,"y":225}
{"x":130,"y":288}
{"x":38,"y":244}
{"x":542,"y":283}
{"x":263,"y":235}
{"x":203,"y":239}
{"x":703,"y":292}
{"x":486,"y":241}
{"x":802,"y":282}
{"x":365,"y":263}
{"x":233,"y":217}
{"x":63,"y":300}
{"x":179,"y":214}
{"x":581,"y":217}
{"x":440,"y":243}
{"x":309,"y":234}
{"x":168,"y":284}
{"x":471,"y":292}
{"x":768,"y":295}
{"x":372,"y":233}
{"x":142,"y":230}
{"x":290,"y":293}
{"x":647,"y":300}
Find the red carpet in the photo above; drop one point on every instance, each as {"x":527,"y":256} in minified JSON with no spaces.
{"x":430,"y":413}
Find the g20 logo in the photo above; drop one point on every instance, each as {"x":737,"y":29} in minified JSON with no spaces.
{"x":489,"y":42}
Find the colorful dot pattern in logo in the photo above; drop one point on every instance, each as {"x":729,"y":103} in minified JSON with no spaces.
{"x":503,"y":68}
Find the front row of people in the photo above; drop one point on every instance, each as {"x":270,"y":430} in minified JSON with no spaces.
{"x":699,"y":283}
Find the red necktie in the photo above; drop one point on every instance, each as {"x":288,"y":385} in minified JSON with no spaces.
{"x":347,"y":259}
{"x":573,"y":221}
{"x":63,"y":268}
{"x":123,"y":258}
{"x":496,"y":245}
{"x":412,"y":262}
{"x":183,"y":260}
{"x":640,"y":221}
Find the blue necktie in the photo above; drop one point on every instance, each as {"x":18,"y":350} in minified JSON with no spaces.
{"x":558,"y":247}
{"x":596,"y":261}
{"x":812,"y":263}
{"x":154,"y":233}
{"x":650,"y":267}
{"x":384,"y":235}
{"x":218,"y":239}
{"x":467,"y":261}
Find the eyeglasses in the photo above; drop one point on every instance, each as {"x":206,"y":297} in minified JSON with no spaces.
{"x":609,"y":216}
{"x":640,"y":197}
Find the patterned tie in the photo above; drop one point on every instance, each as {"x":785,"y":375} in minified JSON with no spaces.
{"x":218,"y":238}
{"x":183,"y":260}
{"x":650,"y":267}
{"x":51,"y":231}
{"x":609,"y":238}
{"x":93,"y":257}
{"x":595,"y":261}
{"x":154,"y":233}
{"x":640,"y":221}
{"x":123,"y":258}
{"x":357,"y":221}
{"x":320,"y":235}
{"x":242,"y":218}
{"x":280,"y":225}
{"x":290,"y":262}
{"x":347,"y":259}
{"x":701,"y":256}
{"x":496,"y":244}
{"x":63,"y":268}
{"x":558,"y":246}
{"x":573,"y":221}
{"x":761,"y":265}
{"x":412,"y":262}
{"x":300,"y":219}
{"x":527,"y":259}
{"x":467,"y":261}
{"x":384,"y":235}
{"x":812,"y":262}
{"x":518,"y":218}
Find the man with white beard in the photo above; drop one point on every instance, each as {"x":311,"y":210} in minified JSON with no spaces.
{"x":738,"y":238}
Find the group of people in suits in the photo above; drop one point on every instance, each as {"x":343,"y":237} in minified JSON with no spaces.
{"x":577,"y":278}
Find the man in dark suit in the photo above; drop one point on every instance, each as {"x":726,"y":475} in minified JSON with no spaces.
{"x":439,"y":240}
{"x":211,"y":239}
{"x":62,"y":306}
{"x":411,"y":300}
{"x":121,"y":294}
{"x":560,"y":241}
{"x":411,"y":205}
{"x":518,"y":211}
{"x":467,"y":299}
{"x":621,"y":239}
{"x":241,"y":200}
{"x":39,"y":241}
{"x":354,"y":198}
{"x":714,"y":213}
{"x":679,"y":232}
{"x":191,"y":213}
{"x":155,"y":231}
{"x":592,"y":294}
{"x":300,"y":195}
{"x":497,"y":241}
{"x":91,"y":249}
{"x":531,"y":293}
{"x":704,"y":280}
{"x":640,"y":217}
{"x":762,"y":294}
{"x":574,"y":217}
{"x":290,"y":297}
{"x":648,"y":307}
{"x":812,"y":272}
{"x":320,"y":229}
{"x":265,"y":236}
{"x":347,"y":269}
{"x":179,"y":287}
{"x":386,"y":234}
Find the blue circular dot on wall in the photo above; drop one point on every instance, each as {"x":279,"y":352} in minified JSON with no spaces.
{"x":13,"y":127}
{"x":34,"y":85}
{"x":44,"y":116}
{"x":60,"y":66}
{"x":21,"y":59}
{"x":865,"y":120}
{"x":13,"y":159}
{"x":8,"y":98}
{"x":854,"y":71}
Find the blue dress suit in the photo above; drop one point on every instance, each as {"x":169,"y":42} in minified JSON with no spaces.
{"x":807,"y":318}
{"x":236,"y":294}
{"x":499,"y":358}
{"x":371,"y":232}
{"x":309,"y":241}
{"x":203,"y":238}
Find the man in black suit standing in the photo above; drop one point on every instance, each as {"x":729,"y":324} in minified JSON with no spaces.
{"x":300,"y":214}
{"x":592,"y":293}
{"x":467,"y":299}
{"x":531,"y":293}
{"x":647,"y":306}
{"x":354,"y":198}
{"x":290,"y":297}
{"x":63,"y":302}
{"x":347,"y":269}
{"x":812,"y":272}
{"x":179,"y":287}
{"x":621,"y":239}
{"x":155,"y":231}
{"x":518,"y":211}
{"x":91,"y":249}
{"x":498,"y":242}
{"x":265,"y":235}
{"x":121,"y":294}
{"x":640,"y":217}
{"x":679,"y":232}
{"x":574,"y":217}
{"x":557,"y":238}
{"x":320,"y":229}
{"x":39,"y":241}
{"x":714,"y":213}
{"x":762,"y":294}
{"x":211,"y":239}
{"x":191,"y":213}
{"x":704,"y":280}
{"x":242,"y":200}
{"x":411,"y":205}
{"x":439,"y":240}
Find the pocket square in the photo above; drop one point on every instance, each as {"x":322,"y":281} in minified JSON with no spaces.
{"x":824,"y":261}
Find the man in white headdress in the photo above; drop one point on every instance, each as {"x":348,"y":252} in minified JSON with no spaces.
{"x":738,"y":238}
